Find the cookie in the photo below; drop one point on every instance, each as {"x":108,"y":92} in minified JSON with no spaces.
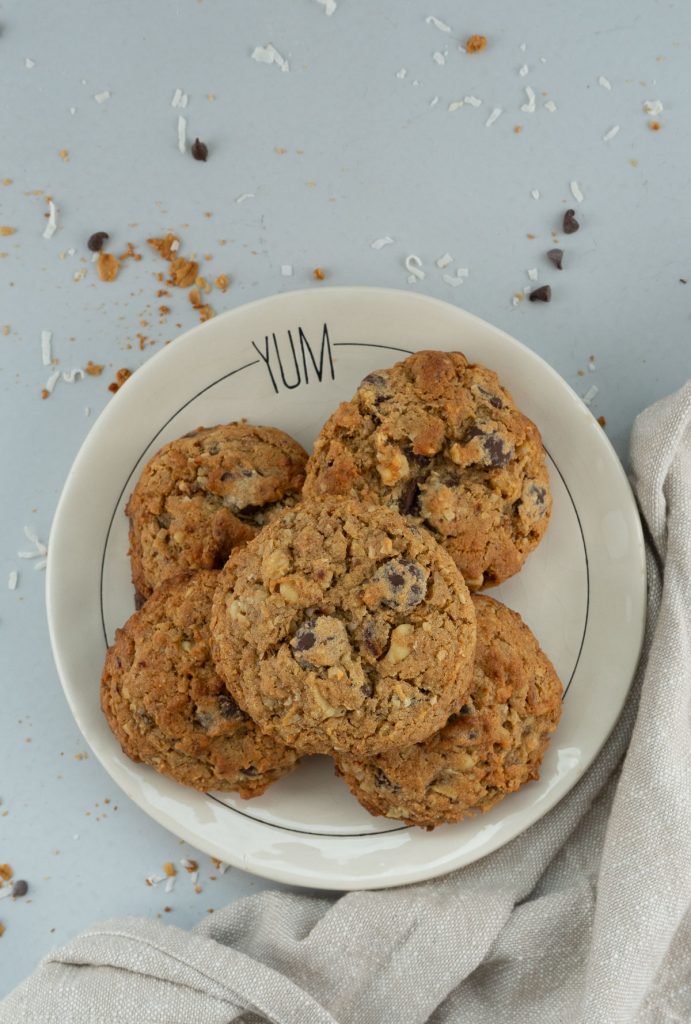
{"x":440,"y":440}
{"x":206,"y":493}
{"x":491,"y":746}
{"x":341,"y":628}
{"x":167,"y":706}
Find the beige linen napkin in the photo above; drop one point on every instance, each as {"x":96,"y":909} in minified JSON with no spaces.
{"x":586,"y":917}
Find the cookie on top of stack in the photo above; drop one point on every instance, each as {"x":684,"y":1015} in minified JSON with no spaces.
{"x":282,"y":620}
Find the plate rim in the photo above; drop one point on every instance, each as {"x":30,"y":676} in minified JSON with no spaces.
{"x":113,"y":769}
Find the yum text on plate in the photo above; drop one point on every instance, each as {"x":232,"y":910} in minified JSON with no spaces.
{"x":291,"y":361}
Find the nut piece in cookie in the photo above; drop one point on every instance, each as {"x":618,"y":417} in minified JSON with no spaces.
{"x":167,"y":706}
{"x":340,"y":628}
{"x":207,"y":493}
{"x":491,"y":745}
{"x":440,"y":440}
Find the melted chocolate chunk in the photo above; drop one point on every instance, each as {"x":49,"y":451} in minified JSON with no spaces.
{"x":494,"y":400}
{"x":542,"y":294}
{"x":95,"y":243}
{"x":252,"y":772}
{"x":408,"y":502}
{"x":418,"y":460}
{"x":556,"y":256}
{"x":497,"y":453}
{"x":472,"y":431}
{"x":305,"y":637}
{"x":229,"y":709}
{"x":199,"y":150}
{"x":539,"y":494}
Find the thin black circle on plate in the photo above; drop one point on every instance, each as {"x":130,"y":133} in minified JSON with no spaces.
{"x":306,"y":831}
{"x":246,"y":366}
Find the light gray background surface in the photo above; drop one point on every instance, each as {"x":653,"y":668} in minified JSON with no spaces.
{"x":366,"y":155}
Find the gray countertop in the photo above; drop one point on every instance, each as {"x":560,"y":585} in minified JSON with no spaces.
{"x":306,"y":168}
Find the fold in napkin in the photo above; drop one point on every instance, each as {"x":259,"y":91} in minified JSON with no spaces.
{"x":586,"y":917}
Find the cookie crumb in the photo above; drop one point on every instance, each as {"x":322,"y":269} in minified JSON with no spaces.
{"x":6,"y":872}
{"x":121,"y":376}
{"x":475,"y":44}
{"x":169,"y":869}
{"x":5,"y":232}
{"x":165,"y":247}
{"x":183,"y":272}
{"x":602,"y":421}
{"x":94,"y":369}
{"x":2,"y":929}
{"x":222,"y":282}
{"x":107,"y":266}
{"x":318,"y":274}
{"x":64,"y":155}
{"x":654,"y":126}
{"x":517,"y":129}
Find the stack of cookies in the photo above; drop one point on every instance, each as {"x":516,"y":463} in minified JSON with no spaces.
{"x":290,"y":606}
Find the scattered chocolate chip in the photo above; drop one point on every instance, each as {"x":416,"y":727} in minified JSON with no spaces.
{"x":571,"y":225}
{"x":375,"y":379}
{"x":472,"y":431}
{"x":95,"y":243}
{"x":541,"y":294}
{"x":556,"y":256}
{"x":494,"y":400}
{"x":465,"y":709}
{"x":368,"y":688}
{"x":539,"y":493}
{"x":375,"y":636}
{"x":497,"y":453}
{"x":139,"y":600}
{"x":408,"y":500}
{"x":418,"y":460}
{"x":305,"y":637}
{"x":404,"y":582}
{"x":384,"y":782}
{"x":682,"y":280}
{"x":251,"y":771}
{"x":229,"y":709}
{"x":20,"y":887}
{"x":199,"y":150}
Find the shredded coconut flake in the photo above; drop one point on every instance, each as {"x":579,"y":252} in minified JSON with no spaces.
{"x":441,"y":25}
{"x":87,"y":410}
{"x":532,"y":273}
{"x":183,"y":101}
{"x":522,"y":47}
{"x":455,"y":105}
{"x":433,"y":102}
{"x":46,"y":353}
{"x":70,"y":376}
{"x":438,"y":57}
{"x":73,"y":110}
{"x":653,"y":107}
{"x":472,"y":101}
{"x":29,"y":63}
{"x":39,"y":566}
{"x":523,"y":70}
{"x":182,"y":133}
{"x":177,"y":96}
{"x":529,"y":107}
{"x":269,"y":55}
{"x":551,"y":106}
{"x":444,"y":261}
{"x":52,"y":381}
{"x":287,"y":270}
{"x":402,"y":73}
{"x":591,"y":364}
{"x":590,"y":394}
{"x":38,"y":544}
{"x":170,"y":884}
{"x":101,"y":97}
{"x":329,"y":6}
{"x":28,"y":555}
{"x":12,"y":580}
{"x":379,"y":243}
{"x":494,"y":116}
{"x":614,"y":130}
{"x":452,"y":279}
{"x":52,"y":223}
{"x":535,"y":193}
{"x":244,"y":196}
{"x":413,"y":265}
{"x":576,"y":191}
{"x":605,"y":83}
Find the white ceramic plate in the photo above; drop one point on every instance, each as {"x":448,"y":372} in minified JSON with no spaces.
{"x":287,"y":361}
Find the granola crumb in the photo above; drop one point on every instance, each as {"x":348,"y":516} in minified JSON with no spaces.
{"x":130,"y":254}
{"x":165,"y":247}
{"x":202,"y":283}
{"x":654,"y":126}
{"x":107,"y":266}
{"x":517,"y":129}
{"x":167,"y":910}
{"x":121,"y":376}
{"x":318,"y":274}
{"x":45,"y":393}
{"x":475,"y":44}
{"x":530,"y":236}
{"x":183,"y":272}
{"x":94,"y":369}
{"x":222,"y":282}
{"x":6,"y":231}
{"x":164,"y":310}
{"x":169,"y":869}
{"x":64,"y":155}
{"x":6,"y":872}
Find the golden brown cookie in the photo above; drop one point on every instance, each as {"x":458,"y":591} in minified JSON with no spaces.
{"x":492,"y":745}
{"x":439,"y":439}
{"x":167,"y":706}
{"x":341,"y":628}
{"x":206,"y":493}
